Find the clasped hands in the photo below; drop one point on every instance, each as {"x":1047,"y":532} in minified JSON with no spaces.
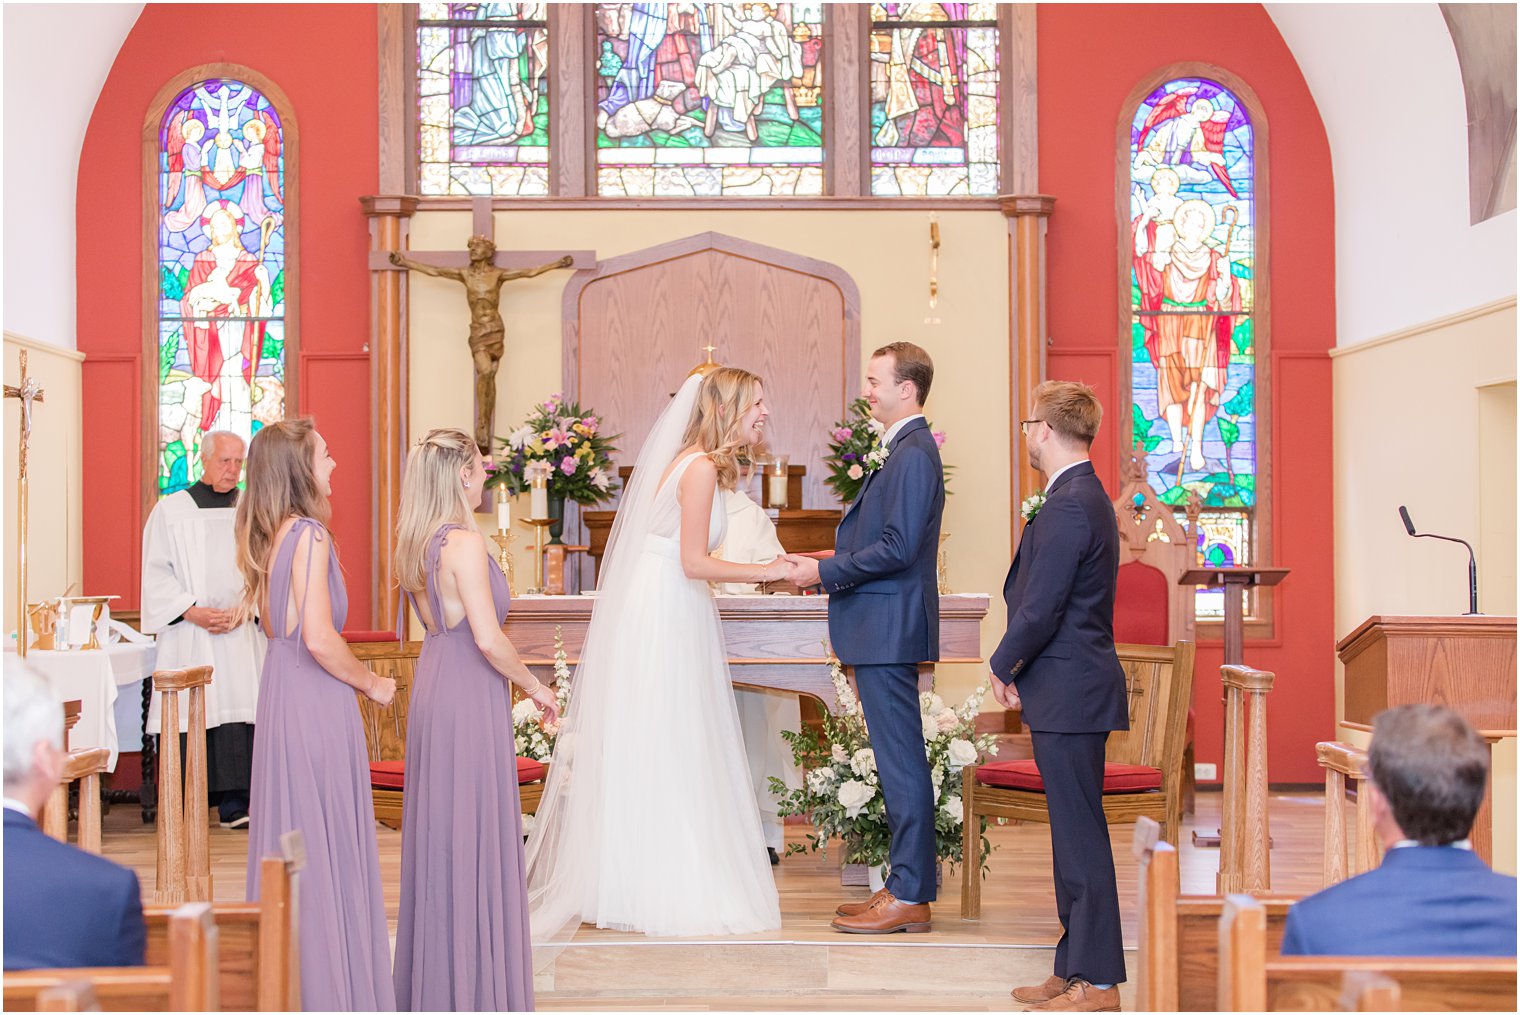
{"x":1005,"y":694}
{"x":799,"y":570}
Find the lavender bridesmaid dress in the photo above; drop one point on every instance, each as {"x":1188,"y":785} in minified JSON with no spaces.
{"x":311,"y":772}
{"x":462,"y":941}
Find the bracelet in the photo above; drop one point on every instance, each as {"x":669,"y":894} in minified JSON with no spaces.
{"x":538,"y":685}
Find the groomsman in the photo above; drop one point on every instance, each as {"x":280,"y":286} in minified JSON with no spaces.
{"x":1057,"y":659}
{"x":884,"y":621}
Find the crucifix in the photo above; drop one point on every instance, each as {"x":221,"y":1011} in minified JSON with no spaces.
{"x":26,"y":392}
{"x":483,"y":270}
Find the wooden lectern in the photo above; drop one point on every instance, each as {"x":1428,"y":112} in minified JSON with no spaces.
{"x":1466,"y":663}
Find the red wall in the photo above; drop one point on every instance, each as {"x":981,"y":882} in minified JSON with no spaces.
{"x":1090,"y":58}
{"x":323,"y":56}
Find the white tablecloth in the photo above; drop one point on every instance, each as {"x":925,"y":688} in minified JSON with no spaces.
{"x":93,"y":677}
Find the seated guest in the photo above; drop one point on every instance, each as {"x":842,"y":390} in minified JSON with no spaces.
{"x":1432,"y":895}
{"x":63,"y":907}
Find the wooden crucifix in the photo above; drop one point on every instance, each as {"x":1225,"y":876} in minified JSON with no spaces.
{"x":483,"y":270}
{"x":26,"y":391}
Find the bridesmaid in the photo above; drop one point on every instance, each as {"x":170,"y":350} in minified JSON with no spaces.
{"x":462,"y":940}
{"x":310,"y":767}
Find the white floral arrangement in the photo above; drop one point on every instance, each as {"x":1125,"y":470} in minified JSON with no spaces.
{"x":1032,"y":505}
{"x":841,"y":790}
{"x":532,"y":740}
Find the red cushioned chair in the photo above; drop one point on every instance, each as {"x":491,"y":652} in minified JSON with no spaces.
{"x":1142,"y":775}
{"x":387,"y":777}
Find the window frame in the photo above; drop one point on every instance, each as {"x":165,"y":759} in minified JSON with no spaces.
{"x":1260,"y":624}
{"x":152,"y":220}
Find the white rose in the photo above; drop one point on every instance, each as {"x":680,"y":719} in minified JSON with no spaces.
{"x":528,"y":821}
{"x":946,"y":720}
{"x":961,"y":753}
{"x":930,"y":727}
{"x":523,"y":711}
{"x":953,"y":810}
{"x":837,"y":754}
{"x":854,"y":795}
{"x":863,"y":763}
{"x":820,"y":780}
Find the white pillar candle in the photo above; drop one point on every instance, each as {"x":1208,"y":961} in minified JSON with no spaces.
{"x":538,"y":502}
{"x":776,"y":490}
{"x":504,"y":514}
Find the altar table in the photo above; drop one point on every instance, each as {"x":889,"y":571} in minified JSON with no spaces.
{"x":93,"y":676}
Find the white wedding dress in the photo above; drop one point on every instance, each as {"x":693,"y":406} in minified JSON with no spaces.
{"x":648,"y":821}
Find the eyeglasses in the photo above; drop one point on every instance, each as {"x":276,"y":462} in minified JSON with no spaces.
{"x":1024,"y":424}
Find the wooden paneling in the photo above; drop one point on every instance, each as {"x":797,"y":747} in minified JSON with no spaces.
{"x":636,"y":326}
{"x":572,"y":157}
{"x":397,"y":97}
{"x":846,"y":154}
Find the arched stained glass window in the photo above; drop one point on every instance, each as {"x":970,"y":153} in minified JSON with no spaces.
{"x":709,"y":99}
{"x":482,"y":99}
{"x":222,"y":256}
{"x":1192,"y":241}
{"x":934,"y":99}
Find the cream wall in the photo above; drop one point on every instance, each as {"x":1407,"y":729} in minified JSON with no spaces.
{"x":1420,"y":421}
{"x":886,"y":252}
{"x":54,"y":559}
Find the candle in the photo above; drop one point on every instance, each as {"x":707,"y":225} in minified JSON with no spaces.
{"x":503,"y":514}
{"x":538,"y":501}
{"x":776,"y":490}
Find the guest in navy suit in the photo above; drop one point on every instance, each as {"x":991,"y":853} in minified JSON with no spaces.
{"x":1432,"y":895}
{"x":884,"y":621}
{"x":63,"y":907}
{"x":1057,"y":661}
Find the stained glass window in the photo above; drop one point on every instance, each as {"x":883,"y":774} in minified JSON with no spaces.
{"x":934,"y":99}
{"x":221,"y":268}
{"x":709,"y":99}
{"x":482,"y":99}
{"x":1192,"y":236}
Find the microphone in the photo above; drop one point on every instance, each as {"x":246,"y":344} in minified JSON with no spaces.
{"x":1472,"y":560}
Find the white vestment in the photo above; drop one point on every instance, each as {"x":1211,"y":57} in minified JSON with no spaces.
{"x":190,"y":559}
{"x":763,"y":715}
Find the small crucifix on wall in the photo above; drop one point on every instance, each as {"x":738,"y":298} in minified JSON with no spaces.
{"x":483,"y":271}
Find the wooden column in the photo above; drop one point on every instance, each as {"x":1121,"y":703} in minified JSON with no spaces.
{"x":389,"y":220}
{"x":572,"y":155}
{"x":846,"y":117}
{"x":1028,"y":217}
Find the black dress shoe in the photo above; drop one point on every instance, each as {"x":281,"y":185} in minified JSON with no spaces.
{"x":775,"y":860}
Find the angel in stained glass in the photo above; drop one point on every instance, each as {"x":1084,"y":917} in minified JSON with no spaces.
{"x":183,"y":148}
{"x":1186,"y":131}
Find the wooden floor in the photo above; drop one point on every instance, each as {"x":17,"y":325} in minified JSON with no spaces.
{"x":962,"y":965}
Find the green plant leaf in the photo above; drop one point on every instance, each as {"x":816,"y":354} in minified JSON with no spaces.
{"x":1228,"y":431}
{"x":1142,"y":429}
{"x":1244,"y":401}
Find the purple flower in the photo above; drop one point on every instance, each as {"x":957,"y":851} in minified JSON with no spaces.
{"x":567,"y":465}
{"x":847,"y":457}
{"x":517,"y":467}
{"x":843,"y":434}
{"x":939,"y":438}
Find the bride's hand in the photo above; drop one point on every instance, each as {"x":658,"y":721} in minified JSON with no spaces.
{"x":548,"y":707}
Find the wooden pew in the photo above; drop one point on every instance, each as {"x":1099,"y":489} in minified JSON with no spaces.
{"x":186,"y":983}
{"x":1253,"y":978}
{"x":1245,"y":857}
{"x":184,"y":845}
{"x":72,"y":996}
{"x":1342,"y":762}
{"x":84,"y":766}
{"x":1179,"y":954}
{"x":258,"y":965}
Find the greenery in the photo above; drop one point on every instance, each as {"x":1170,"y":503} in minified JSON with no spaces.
{"x":569,"y":441}
{"x":855,"y":450}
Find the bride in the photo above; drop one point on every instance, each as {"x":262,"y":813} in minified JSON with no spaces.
{"x":648,"y":821}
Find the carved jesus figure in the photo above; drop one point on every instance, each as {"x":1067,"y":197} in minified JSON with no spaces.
{"x":482,"y":282}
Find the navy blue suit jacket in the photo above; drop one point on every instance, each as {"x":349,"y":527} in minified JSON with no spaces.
{"x":882,"y":583}
{"x":1422,"y":901}
{"x":1059,"y":647}
{"x":65,"y":907}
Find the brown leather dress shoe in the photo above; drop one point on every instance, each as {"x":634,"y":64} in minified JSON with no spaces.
{"x":1081,"y":996}
{"x":886,"y":915}
{"x":1055,"y":986}
{"x":856,"y":908}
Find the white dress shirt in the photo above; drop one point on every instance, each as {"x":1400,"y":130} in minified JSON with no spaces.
{"x":896,"y":428}
{"x":1060,"y":472}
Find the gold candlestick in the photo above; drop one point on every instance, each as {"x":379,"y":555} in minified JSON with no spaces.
{"x":943,"y":570}
{"x":504,"y":541}
{"x":540,"y":528}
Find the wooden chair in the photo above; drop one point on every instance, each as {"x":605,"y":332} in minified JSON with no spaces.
{"x":1245,"y":863}
{"x":258,"y":965}
{"x":1178,"y":960}
{"x":84,"y":767}
{"x":1252,"y":979}
{"x":1342,"y":762}
{"x":1148,"y":754}
{"x":188,"y":982}
{"x":184,"y":847}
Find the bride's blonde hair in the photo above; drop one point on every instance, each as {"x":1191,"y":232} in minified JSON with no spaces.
{"x":725,"y":396}
{"x":432,"y":494}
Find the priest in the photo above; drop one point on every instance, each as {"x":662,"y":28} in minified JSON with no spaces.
{"x":190,"y":590}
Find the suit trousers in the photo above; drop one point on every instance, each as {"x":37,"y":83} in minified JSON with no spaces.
{"x":889,"y":696}
{"x":1087,"y":898}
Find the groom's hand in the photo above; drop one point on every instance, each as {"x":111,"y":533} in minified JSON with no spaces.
{"x":1005,"y":694}
{"x":802,"y":571}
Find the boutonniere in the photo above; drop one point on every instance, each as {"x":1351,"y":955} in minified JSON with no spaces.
{"x":1032,"y":505}
{"x":876,"y":458}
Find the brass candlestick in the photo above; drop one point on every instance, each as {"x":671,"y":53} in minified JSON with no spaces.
{"x":504,"y":540}
{"x":943,"y":569}
{"x":540,"y":528}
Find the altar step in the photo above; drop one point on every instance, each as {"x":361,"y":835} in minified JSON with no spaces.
{"x":847,"y":974}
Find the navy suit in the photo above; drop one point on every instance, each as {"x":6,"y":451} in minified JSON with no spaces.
{"x":1059,"y":654}
{"x":65,"y":907}
{"x":1422,"y":901}
{"x":884,"y":621}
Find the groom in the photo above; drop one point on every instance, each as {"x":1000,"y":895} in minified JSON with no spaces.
{"x":884,"y":621}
